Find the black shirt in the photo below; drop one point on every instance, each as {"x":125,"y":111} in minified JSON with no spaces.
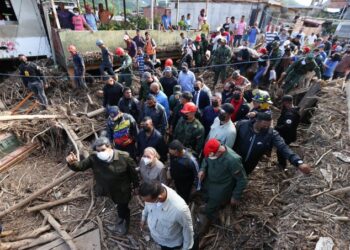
{"x":168,"y":84}
{"x":112,"y":94}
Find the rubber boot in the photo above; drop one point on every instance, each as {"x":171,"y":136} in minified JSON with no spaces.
{"x":121,"y":228}
{"x":204,"y":224}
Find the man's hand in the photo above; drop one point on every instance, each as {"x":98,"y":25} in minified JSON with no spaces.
{"x":251,"y":114}
{"x":234,"y":202}
{"x":201,"y":175}
{"x":304,"y":168}
{"x":117,"y":70}
{"x":71,"y":158}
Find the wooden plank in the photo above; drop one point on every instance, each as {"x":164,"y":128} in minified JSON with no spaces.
{"x":95,"y":112}
{"x":347,"y":88}
{"x":309,"y":99}
{"x":17,"y":156}
{"x":53,"y":203}
{"x":30,"y":117}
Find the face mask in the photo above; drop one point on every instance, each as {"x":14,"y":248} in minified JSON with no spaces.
{"x":212,"y":157}
{"x":184,"y":70}
{"x":215,"y":103}
{"x":222,"y":116}
{"x":76,"y":14}
{"x":146,"y":160}
{"x":106,"y":155}
{"x":196,"y":88}
{"x":147,"y":129}
{"x":236,"y":96}
{"x":263,"y":130}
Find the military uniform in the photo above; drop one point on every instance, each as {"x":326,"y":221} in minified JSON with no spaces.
{"x":222,"y":56}
{"x":198,"y":54}
{"x":297,"y":70}
{"x":125,"y":74}
{"x":115,"y":179}
{"x":225,"y":178}
{"x":191,"y":134}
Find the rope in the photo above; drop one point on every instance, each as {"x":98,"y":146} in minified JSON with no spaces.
{"x":194,"y":68}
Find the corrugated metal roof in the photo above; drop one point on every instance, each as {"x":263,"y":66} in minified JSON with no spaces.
{"x":337,"y":4}
{"x":343,"y":30}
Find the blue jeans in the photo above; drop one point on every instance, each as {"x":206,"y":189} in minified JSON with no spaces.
{"x":79,"y":80}
{"x":258,"y":76}
{"x":108,"y":68}
{"x":38,"y":88}
{"x":237,"y":39}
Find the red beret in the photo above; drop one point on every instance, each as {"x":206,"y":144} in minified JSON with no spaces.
{"x":212,"y":146}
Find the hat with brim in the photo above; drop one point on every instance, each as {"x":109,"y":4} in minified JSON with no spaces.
{"x":211,"y":147}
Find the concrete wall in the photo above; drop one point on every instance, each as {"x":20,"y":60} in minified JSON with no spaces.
{"x":28,"y":36}
{"x":217,"y":12}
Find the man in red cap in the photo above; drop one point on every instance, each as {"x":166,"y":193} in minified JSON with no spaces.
{"x":125,"y":70}
{"x":223,"y":177}
{"x":189,"y":130}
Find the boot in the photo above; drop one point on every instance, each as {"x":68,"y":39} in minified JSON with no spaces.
{"x":121,"y":228}
{"x":204,"y":224}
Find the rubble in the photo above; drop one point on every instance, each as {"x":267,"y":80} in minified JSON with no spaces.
{"x":279,"y":210}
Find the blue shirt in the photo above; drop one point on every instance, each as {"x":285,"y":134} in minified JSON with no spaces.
{"x":252,"y":35}
{"x":166,"y":21}
{"x":78,"y":63}
{"x":91,"y":20}
{"x":330,"y":67}
{"x":162,"y":99}
{"x":323,"y":55}
{"x":187,"y":80}
{"x":105,"y":56}
{"x":141,"y":63}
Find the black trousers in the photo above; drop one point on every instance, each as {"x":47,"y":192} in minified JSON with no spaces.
{"x":123,"y":210}
{"x":170,"y":248}
{"x":183,"y":188}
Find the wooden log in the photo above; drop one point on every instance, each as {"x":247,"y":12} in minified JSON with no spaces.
{"x":340,"y":191}
{"x":309,"y":99}
{"x":37,"y":193}
{"x":32,"y":234}
{"x":53,"y":203}
{"x":29,"y":117}
{"x":17,"y":156}
{"x":57,"y":226}
{"x":27,"y":243}
{"x":95,"y":112}
{"x":86,"y":228}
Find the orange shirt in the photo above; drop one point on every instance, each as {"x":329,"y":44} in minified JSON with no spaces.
{"x":104,"y":16}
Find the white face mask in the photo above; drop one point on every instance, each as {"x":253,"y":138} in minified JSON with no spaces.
{"x":106,"y":155}
{"x":76,"y":13}
{"x":146,"y":160}
{"x":212,"y":157}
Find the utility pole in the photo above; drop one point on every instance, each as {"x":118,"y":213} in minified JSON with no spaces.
{"x":152,"y":14}
{"x":124,"y":7}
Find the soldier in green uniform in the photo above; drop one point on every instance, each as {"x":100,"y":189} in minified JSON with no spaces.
{"x":297,"y":70}
{"x":198,"y":53}
{"x":115,"y":176}
{"x":224,"y":179}
{"x":125,"y":71}
{"x":204,"y":43}
{"x":222,"y":56}
{"x":189,"y":131}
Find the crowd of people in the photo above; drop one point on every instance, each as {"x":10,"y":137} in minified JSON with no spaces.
{"x":178,"y":137}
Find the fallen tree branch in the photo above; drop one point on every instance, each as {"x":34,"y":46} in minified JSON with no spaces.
{"x":70,"y":136}
{"x":57,"y":226}
{"x":24,"y":244}
{"x":32,"y":234}
{"x":340,"y":191}
{"x":95,"y":112}
{"x":37,"y":193}
{"x":89,"y":210}
{"x":53,"y":203}
{"x":29,"y":117}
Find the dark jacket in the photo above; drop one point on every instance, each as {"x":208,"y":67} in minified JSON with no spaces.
{"x":140,"y":41}
{"x":184,"y":168}
{"x":203,"y":101}
{"x":208,"y":117}
{"x":130,"y":106}
{"x":155,"y":140}
{"x":123,"y":131}
{"x":116,"y":178}
{"x":168,"y":84}
{"x":112,"y":94}
{"x":158,"y":116}
{"x":287,"y":124}
{"x":30,"y":72}
{"x":243,"y":110}
{"x":252,"y":146}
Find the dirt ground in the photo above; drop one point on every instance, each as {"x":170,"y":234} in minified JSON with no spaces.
{"x":279,"y":210}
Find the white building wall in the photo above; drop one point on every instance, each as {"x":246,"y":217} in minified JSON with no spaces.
{"x":217,"y":12}
{"x":28,"y":36}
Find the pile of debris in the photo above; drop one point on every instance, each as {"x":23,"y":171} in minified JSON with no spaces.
{"x":42,"y":202}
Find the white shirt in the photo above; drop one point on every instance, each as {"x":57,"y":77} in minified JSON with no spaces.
{"x":215,"y":41}
{"x":170,"y":222}
{"x":225,"y":133}
{"x":232,"y":27}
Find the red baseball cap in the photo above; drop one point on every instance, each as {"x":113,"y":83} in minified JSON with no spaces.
{"x":306,"y":50}
{"x":263,"y":50}
{"x":212,"y":146}
{"x":188,"y":108}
